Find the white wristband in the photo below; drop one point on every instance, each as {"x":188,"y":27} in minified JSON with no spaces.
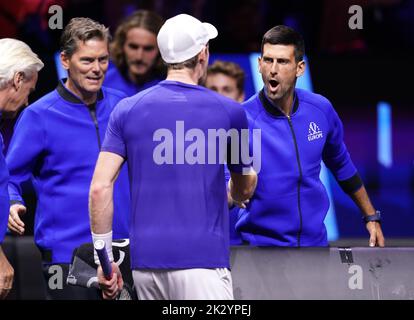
{"x":107,"y":238}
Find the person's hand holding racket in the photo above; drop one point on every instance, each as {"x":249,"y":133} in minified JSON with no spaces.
{"x":111,"y":286}
{"x":108,"y":273}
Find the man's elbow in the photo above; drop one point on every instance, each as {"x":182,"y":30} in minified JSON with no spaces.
{"x":97,"y":191}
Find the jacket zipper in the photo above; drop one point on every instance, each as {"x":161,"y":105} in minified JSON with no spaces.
{"x":92,"y":112}
{"x":300,"y":177}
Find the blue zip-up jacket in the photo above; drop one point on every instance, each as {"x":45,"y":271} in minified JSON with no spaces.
{"x":4,"y":195}
{"x":56,"y":142}
{"x":290,"y":203}
{"x":115,"y":80}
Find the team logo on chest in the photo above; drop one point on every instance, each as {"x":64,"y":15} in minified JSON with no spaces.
{"x":314,"y":132}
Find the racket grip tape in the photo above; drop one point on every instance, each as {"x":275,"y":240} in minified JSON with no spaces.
{"x":100,"y":248}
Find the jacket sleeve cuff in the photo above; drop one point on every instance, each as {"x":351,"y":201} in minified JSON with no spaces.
{"x":12,"y":202}
{"x":352,"y":184}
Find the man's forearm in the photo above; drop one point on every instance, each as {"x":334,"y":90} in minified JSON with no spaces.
{"x":361,"y":199}
{"x":101,"y":207}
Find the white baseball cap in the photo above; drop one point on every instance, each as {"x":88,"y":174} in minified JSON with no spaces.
{"x":183,"y":37}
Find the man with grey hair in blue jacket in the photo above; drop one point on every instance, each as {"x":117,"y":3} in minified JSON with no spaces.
{"x":56,"y":143}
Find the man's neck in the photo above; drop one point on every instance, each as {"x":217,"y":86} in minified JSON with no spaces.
{"x":183,"y":75}
{"x":86,"y":97}
{"x":3,"y":99}
{"x":284,"y":104}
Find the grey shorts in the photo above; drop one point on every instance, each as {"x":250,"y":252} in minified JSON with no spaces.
{"x":184,"y":284}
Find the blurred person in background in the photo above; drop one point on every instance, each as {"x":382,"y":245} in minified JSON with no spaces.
{"x":227,"y":79}
{"x":135,"y":55}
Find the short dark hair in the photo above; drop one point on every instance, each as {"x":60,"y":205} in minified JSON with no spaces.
{"x":286,"y":36}
{"x":230,"y":69}
{"x":81,"y":29}
{"x":189,"y":63}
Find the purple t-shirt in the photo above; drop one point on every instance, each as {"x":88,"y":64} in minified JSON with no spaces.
{"x":171,"y":136}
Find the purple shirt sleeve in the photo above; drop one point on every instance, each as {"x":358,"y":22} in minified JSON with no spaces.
{"x":239,"y":122}
{"x":114,"y":139}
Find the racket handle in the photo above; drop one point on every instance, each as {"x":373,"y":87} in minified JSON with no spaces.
{"x":103,"y":258}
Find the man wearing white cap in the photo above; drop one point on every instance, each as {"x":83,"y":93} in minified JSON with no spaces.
{"x":179,"y":220}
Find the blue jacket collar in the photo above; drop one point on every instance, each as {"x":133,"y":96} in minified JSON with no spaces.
{"x":69,"y":96}
{"x":273,"y":110}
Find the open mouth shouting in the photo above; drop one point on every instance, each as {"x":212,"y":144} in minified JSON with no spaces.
{"x":273,"y":85}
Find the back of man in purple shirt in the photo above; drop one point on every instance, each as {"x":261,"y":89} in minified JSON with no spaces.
{"x":174,"y":137}
{"x":179,"y":209}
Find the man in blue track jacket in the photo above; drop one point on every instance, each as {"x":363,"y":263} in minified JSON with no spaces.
{"x":56,"y":143}
{"x":299,"y":129}
{"x":19,"y":68}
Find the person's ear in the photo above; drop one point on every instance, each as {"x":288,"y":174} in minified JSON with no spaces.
{"x":300,"y":68}
{"x":259,"y":64}
{"x":203,"y":55}
{"x":64,"y":60}
{"x":18,"y":80}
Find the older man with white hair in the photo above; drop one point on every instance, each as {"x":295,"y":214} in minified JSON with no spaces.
{"x":18,"y":76}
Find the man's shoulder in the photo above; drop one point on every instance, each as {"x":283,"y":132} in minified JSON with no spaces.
{"x":217,"y":101}
{"x":252,"y":101}
{"x":43,"y":103}
{"x":314,"y":99}
{"x":222,"y":99}
{"x":146,"y":95}
{"x":253,"y":106}
{"x":141,"y":99}
{"x":113,"y":93}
